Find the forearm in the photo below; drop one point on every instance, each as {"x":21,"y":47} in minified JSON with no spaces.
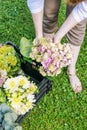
{"x":67,"y":25}
{"x":37,"y":19}
{"x":36,"y":8}
{"x":78,"y":14}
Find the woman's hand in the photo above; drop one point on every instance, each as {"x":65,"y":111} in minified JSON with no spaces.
{"x":56,"y":38}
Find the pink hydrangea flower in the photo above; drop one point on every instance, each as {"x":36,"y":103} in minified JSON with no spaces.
{"x":52,"y":56}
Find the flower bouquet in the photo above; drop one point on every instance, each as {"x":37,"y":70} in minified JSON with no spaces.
{"x":51,"y":57}
{"x":21,"y":86}
{"x":15,"y":90}
{"x":9,"y":66}
{"x":20,"y":93}
{"x":9,"y":60}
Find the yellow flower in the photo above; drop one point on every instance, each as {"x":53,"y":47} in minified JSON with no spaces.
{"x":6,"y":49}
{"x":60,"y":46}
{"x":24,"y":109}
{"x":22,"y":80}
{"x":51,"y":68}
{"x":16,"y":100}
{"x":43,"y":41}
{"x":69,"y":55}
{"x":32,"y":88}
{"x":8,"y":59}
{"x":39,"y":58}
{"x":11,"y":60}
{"x":14,"y":94}
{"x":41,"y":69}
{"x":29,"y":104}
{"x":24,"y":95}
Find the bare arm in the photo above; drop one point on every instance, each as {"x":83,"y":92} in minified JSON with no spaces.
{"x":37,"y":19}
{"x":36,"y":8}
{"x":68,"y":25}
{"x":78,"y":14}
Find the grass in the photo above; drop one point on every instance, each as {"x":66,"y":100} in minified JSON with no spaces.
{"x":61,"y":108}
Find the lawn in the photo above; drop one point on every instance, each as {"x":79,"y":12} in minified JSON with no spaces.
{"x":61,"y":108}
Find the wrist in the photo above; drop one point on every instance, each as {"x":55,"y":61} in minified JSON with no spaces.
{"x":39,"y":35}
{"x":57,"y":39}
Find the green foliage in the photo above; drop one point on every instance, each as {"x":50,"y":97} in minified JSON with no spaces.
{"x":8,"y":118}
{"x":2,"y":96}
{"x":25,"y":47}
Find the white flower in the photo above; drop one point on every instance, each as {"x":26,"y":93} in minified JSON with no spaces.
{"x":19,"y":95}
{"x":16,"y":100}
{"x":20,"y":90}
{"x":22,"y":80}
{"x":27,"y":85}
{"x":3,"y":73}
{"x":11,"y":84}
{"x":31,"y":97}
{"x":24,"y":95}
{"x":29,"y":104}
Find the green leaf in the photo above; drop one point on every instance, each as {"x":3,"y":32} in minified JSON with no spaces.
{"x":27,"y":59}
{"x":15,"y":126}
{"x":1,"y":116}
{"x":25,"y":47}
{"x":4,"y":108}
{"x":10,"y":117}
{"x":1,"y":128}
{"x":5,"y":125}
{"x":18,"y":128}
{"x":2,"y":96}
{"x":10,"y":126}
